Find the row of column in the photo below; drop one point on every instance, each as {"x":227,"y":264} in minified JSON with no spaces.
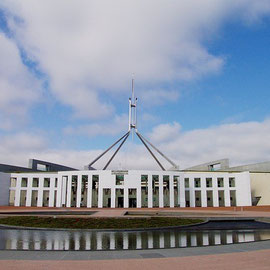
{"x":110,"y":241}
{"x":63,"y":192}
{"x":39,"y":190}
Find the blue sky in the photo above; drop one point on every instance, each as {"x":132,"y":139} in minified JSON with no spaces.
{"x":201,"y":75}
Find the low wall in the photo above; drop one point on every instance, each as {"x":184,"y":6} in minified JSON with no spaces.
{"x":4,"y":188}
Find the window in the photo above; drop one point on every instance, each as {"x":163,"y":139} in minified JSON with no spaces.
{"x":35,"y":182}
{"x":95,"y":179}
{"x":155,"y":184}
{"x":56,"y":180}
{"x":119,"y":179}
{"x":197,"y":182}
{"x":24,"y":182}
{"x":231,"y":182}
{"x":214,"y":167}
{"x":220,"y":182}
{"x":166,"y":182}
{"x":42,"y":167}
{"x":130,"y":191}
{"x":46,"y":182}
{"x":84,"y":185}
{"x":186,"y":182}
{"x":208,"y":182}
{"x":144,"y":184}
{"x":13,"y":182}
{"x":175,"y":182}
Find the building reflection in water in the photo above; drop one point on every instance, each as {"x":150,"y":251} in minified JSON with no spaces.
{"x":80,"y":240}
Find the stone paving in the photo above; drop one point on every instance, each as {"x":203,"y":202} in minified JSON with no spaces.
{"x":259,"y":211}
{"x":255,"y":260}
{"x":237,"y":256}
{"x":240,"y":256}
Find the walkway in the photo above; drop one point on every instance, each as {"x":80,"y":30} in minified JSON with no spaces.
{"x":254,"y":255}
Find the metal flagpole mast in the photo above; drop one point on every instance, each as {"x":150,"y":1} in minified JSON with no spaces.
{"x":173,"y":164}
{"x":132,"y":125}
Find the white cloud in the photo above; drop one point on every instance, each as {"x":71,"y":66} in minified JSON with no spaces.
{"x":159,"y":96}
{"x":242,"y":143}
{"x":165,"y":132}
{"x":118,"y":124}
{"x":18,"y":87}
{"x":87,"y":48}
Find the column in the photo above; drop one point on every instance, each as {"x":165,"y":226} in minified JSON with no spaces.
{"x":229,"y":238}
{"x":150,"y":240}
{"x":51,"y":194}
{"x":227,"y":199}
{"x":48,"y":243}
{"x":125,"y":240}
{"x":183,"y":240}
{"x":76,"y":240}
{"x":59,"y":189}
{"x":68,"y":198}
{"x":18,"y":192}
{"x":25,"y":238}
{"x":217,"y":238}
{"x":29,"y":191}
{"x":66,"y":242}
{"x":37,"y":241}
{"x":87,"y":241}
{"x":172,"y":240}
{"x":150,"y":191}
{"x":205,"y":239}
{"x":181,"y":192}
{"x":64,"y":190}
{"x":191,"y":192}
{"x":138,"y":240}
{"x":171,"y":191}
{"x":161,"y":240}
{"x":112,"y":240}
{"x":100,"y":193}
{"x":193,"y":239}
{"x":203,"y":192}
{"x":112,"y":197}
{"x":40,"y":192}
{"x":160,"y":184}
{"x":215,"y":193}
{"x":79,"y":191}
{"x":139,"y":197}
{"x":125,"y":197}
{"x":89,"y":191}
{"x":99,"y":240}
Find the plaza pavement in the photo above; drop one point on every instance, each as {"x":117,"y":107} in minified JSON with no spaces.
{"x":255,"y":255}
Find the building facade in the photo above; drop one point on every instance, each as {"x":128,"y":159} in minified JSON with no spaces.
{"x":131,"y":188}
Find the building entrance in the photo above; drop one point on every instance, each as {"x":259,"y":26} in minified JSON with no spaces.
{"x":120,"y":202}
{"x":132,"y":203}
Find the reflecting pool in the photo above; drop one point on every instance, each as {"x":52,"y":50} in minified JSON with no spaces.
{"x":87,"y":240}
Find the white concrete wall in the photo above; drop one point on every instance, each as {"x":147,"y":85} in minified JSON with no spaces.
{"x":243,"y":187}
{"x":132,"y":180}
{"x":4,"y":190}
{"x":260,"y":187}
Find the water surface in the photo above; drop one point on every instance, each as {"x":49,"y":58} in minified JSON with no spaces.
{"x":85,"y":240}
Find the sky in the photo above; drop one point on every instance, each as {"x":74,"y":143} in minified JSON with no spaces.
{"x":201,"y":69}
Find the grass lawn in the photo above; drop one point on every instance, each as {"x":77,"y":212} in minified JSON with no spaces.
{"x":97,"y":223}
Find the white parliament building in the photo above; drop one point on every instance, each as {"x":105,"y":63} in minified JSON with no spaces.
{"x":117,"y":189}
{"x":54,"y":185}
